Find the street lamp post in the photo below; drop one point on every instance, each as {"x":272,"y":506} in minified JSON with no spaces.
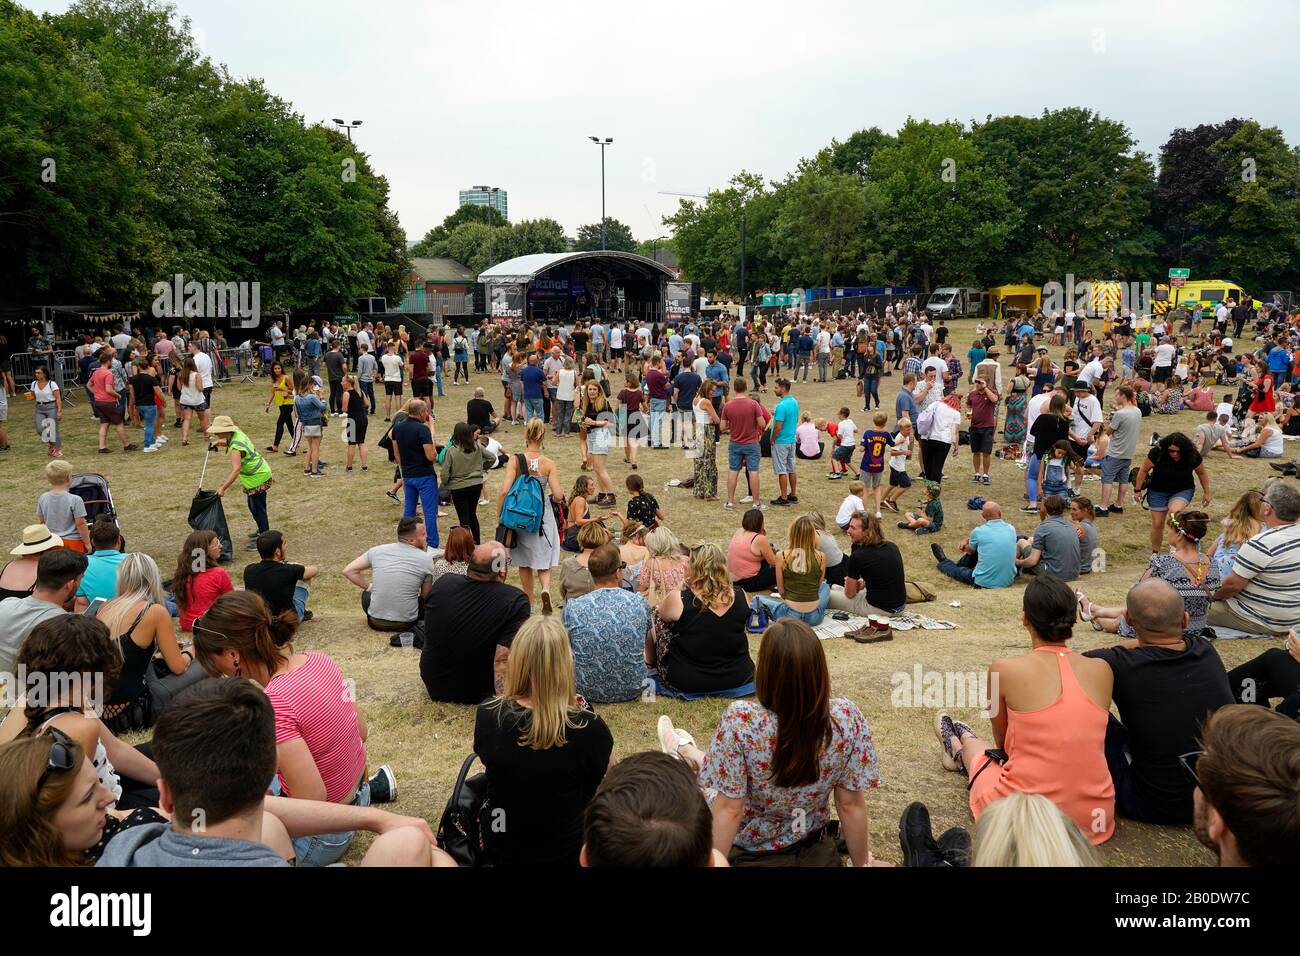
{"x":654,"y":245}
{"x":602,"y":143}
{"x":347,"y":126}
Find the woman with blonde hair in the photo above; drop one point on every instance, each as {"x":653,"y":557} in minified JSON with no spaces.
{"x":535,"y":552}
{"x":544,"y":749}
{"x":1027,"y":829}
{"x":1243,"y":523}
{"x":707,"y":652}
{"x":139,"y":623}
{"x":1267,"y":443}
{"x":800,"y":576}
{"x":664,"y":568}
{"x":600,"y":424}
{"x":705,"y":485}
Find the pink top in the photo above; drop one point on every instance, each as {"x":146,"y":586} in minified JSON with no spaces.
{"x":806,"y":435}
{"x":316,"y":704}
{"x":741,"y":561}
{"x":1058,"y":751}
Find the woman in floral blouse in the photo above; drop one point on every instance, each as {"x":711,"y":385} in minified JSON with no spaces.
{"x":775,"y":762}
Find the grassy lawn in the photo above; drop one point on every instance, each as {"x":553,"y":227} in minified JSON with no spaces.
{"x":332,"y":520}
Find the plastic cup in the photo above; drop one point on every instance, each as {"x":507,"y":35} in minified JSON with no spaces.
{"x":407,"y":639}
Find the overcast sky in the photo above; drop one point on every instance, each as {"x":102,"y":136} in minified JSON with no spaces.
{"x":457,"y":93}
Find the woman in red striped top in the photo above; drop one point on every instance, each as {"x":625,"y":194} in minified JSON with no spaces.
{"x":319,"y":732}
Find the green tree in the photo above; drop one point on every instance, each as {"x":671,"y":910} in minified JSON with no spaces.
{"x":942,"y":215}
{"x":821,"y":230}
{"x":488,"y":215}
{"x":706,"y":236}
{"x":618,"y":237}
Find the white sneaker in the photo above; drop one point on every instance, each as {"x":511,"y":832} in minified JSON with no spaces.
{"x":160,"y":440}
{"x":482,"y":502}
{"x":879,"y":516}
{"x":152,"y":448}
{"x":748,"y":499}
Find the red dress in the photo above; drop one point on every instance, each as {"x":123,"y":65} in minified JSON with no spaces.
{"x":1264,"y":401}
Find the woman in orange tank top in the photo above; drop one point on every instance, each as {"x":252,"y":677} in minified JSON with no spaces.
{"x":1049,"y":726}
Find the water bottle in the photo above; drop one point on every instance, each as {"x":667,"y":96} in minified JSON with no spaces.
{"x":406,"y":639}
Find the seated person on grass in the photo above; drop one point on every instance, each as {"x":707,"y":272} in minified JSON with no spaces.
{"x":929,"y":518}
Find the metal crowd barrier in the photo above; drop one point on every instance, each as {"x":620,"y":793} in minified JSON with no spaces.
{"x":61,"y":364}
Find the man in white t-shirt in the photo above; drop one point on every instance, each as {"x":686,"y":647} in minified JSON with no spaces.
{"x":203,"y":363}
{"x":939,"y":365}
{"x":1084,"y":425}
{"x":822,"y":348}
{"x":1221,"y":316}
{"x":643,"y":336}
{"x":615,"y":344}
{"x":1225,"y":408}
{"x":1094,"y":375}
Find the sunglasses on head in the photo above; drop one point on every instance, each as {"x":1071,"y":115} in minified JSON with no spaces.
{"x":62,"y":757}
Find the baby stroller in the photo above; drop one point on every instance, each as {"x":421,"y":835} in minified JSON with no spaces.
{"x":93,"y":490}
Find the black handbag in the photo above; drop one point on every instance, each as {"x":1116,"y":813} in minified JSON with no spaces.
{"x":460,"y":831}
{"x":508,"y":538}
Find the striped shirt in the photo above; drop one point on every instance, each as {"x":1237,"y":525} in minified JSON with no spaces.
{"x":315,"y":703}
{"x":1270,"y":561}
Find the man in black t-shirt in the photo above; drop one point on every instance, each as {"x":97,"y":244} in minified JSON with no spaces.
{"x":873,"y":581}
{"x":480,"y":413}
{"x":282,"y":585}
{"x":1165,"y":687}
{"x":580,"y":338}
{"x":470,"y":621}
{"x":336,"y":366}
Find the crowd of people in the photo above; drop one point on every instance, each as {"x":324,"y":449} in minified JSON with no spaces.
{"x":211,"y":669}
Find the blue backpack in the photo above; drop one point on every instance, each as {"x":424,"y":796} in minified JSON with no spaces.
{"x":525,"y":503}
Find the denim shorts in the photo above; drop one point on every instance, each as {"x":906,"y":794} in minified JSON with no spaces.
{"x":899,"y":478}
{"x":1114,"y":471}
{"x":747,"y":455}
{"x":843,"y":453}
{"x":325,"y":849}
{"x":1160,"y":500}
{"x":783,"y":459}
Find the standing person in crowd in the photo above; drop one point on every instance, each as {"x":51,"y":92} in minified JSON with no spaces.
{"x":800,"y":576}
{"x":1245,"y":774}
{"x":367,"y":367}
{"x":310,"y":409}
{"x":320,"y":733}
{"x":357,"y":412}
{"x":538,"y":729}
{"x":247,"y":466}
{"x":203,"y":364}
{"x":336,"y":366}
{"x":284,"y":586}
{"x":1050,"y":716}
{"x":630,"y":402}
{"x":391,"y":362}
{"x":1165,"y":684}
{"x":146,"y":393}
{"x":1168,"y":477}
{"x":535,"y":553}
{"x":600,"y":424}
{"x":705,"y":473}
{"x":138,"y":622}
{"x":776,"y":763}
{"x":198,"y":579}
{"x":983,"y":403}
{"x":744,"y":419}
{"x":49,"y":410}
{"x":566,"y":393}
{"x":416,"y":457}
{"x":77,"y":644}
{"x":108,"y":403}
{"x":707,"y":650}
{"x":281,"y":396}
{"x":785,"y":425}
{"x":1051,"y":426}
{"x":1123,"y":427}
{"x":751,"y":562}
{"x":465,"y":464}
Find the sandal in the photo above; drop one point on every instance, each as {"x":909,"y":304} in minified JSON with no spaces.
{"x":1084,"y":614}
{"x":945,"y":730}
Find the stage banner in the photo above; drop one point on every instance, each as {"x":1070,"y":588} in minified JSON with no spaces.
{"x":506,"y":301}
{"x":677,"y":300}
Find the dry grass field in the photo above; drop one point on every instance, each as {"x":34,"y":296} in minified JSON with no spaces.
{"x":332,"y":520}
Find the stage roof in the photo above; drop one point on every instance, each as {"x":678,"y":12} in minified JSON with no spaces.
{"x":527,"y":268}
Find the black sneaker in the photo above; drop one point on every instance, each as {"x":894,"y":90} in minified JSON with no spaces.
{"x":904,"y":525}
{"x":917,"y":838}
{"x":781,"y":502}
{"x":1115,"y":510}
{"x":954,"y":844}
{"x":383,"y":785}
{"x":1029,"y":510}
{"x":1102,"y":512}
{"x":393,"y":495}
{"x":938,"y":553}
{"x":306,"y":616}
{"x":792,"y":500}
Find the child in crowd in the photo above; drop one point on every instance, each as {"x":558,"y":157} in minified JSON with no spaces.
{"x":1083,"y":515}
{"x":876,"y":442}
{"x":853,"y":502}
{"x":845,"y":433}
{"x":61,"y":511}
{"x":900,"y":451}
{"x":1053,"y":471}
{"x":641,"y":505}
{"x":930,"y":518}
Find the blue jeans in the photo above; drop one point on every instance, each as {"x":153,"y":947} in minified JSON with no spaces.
{"x":148,"y":415}
{"x":962,"y":570}
{"x":777,"y":609}
{"x":324,"y":849}
{"x":658,"y":406}
{"x":870,"y":390}
{"x":437,"y":371}
{"x":533,"y":409}
{"x":1031,"y":479}
{"x":300,"y":594}
{"x":425,"y":491}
